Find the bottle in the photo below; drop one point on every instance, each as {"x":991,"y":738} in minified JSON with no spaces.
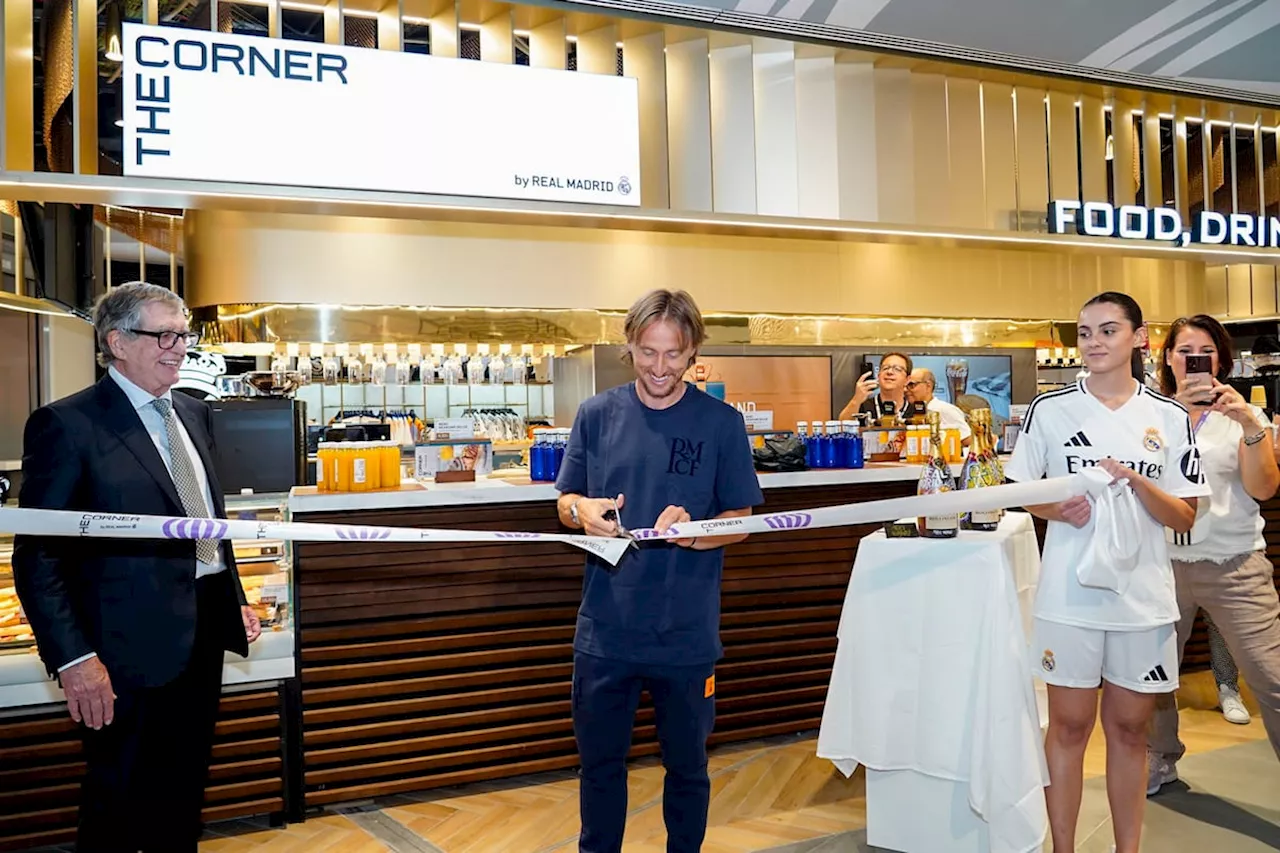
{"x":823,"y":442}
{"x":390,"y":465}
{"x":359,"y":467}
{"x":323,"y":454}
{"x":834,"y":450}
{"x":559,"y":446}
{"x":810,"y":440}
{"x":982,"y":469}
{"x":538,"y":456}
{"x":935,"y":478}
{"x":888,"y":414}
{"x":342,"y":459}
{"x":854,"y":438}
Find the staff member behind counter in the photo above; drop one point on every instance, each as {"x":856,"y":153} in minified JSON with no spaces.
{"x":920,"y":387}
{"x":895,"y":367}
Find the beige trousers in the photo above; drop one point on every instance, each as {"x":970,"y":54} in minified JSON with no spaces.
{"x":1240,"y":596}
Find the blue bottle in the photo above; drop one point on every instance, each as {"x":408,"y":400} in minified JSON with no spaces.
{"x":854,"y":438}
{"x":822,"y":452}
{"x":561,"y":441}
{"x":538,"y":457}
{"x":834,"y":449}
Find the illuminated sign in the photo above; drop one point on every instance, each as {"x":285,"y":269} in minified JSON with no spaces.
{"x":1132,"y":222}
{"x":244,"y":109}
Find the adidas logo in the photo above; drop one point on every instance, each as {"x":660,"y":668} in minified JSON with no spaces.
{"x":1155,"y":675}
{"x":1078,"y":440}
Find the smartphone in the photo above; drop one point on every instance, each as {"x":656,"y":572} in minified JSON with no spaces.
{"x":1200,"y":372}
{"x":867,"y":368}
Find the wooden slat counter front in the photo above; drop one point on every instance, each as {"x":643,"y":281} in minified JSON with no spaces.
{"x":425,"y":666}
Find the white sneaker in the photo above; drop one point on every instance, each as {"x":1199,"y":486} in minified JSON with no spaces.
{"x":1160,"y":772}
{"x":1232,"y":706}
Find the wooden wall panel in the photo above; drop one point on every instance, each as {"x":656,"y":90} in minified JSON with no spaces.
{"x":426,"y":667}
{"x":41,"y":766}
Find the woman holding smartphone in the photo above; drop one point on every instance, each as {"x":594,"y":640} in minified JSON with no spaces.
{"x":1221,"y":565}
{"x":1087,"y":636}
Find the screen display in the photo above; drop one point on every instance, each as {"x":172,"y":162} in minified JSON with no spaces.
{"x":969,"y":381}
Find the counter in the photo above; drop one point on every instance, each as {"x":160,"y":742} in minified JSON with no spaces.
{"x":434,"y":665}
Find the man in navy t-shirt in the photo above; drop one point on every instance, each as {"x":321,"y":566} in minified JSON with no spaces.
{"x":662,"y":452}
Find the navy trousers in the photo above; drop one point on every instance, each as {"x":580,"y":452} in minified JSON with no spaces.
{"x":606,"y":694}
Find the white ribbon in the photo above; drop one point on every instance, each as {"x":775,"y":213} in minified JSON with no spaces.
{"x":48,"y":522}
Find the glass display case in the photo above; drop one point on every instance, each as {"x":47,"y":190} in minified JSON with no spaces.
{"x":265,"y":573}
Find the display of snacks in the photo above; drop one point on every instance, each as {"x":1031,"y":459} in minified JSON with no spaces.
{"x":263,"y":565}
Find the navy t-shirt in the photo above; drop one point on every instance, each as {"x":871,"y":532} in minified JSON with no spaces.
{"x":662,"y":605}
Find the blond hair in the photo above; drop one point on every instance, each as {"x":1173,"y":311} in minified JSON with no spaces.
{"x":675,"y":307}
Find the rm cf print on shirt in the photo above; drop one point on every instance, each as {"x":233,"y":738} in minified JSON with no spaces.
{"x":1068,"y":430}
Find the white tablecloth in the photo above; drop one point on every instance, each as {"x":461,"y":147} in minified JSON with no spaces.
{"x":932,"y":672}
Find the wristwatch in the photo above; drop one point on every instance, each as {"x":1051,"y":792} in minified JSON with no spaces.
{"x":1251,"y":440}
{"x":573,"y":512}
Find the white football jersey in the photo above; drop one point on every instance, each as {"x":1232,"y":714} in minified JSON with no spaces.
{"x":1067,"y":430}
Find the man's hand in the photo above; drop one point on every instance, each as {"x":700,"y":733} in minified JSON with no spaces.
{"x":90,"y":698}
{"x":591,"y":513}
{"x":252,"y":627}
{"x":674,"y":515}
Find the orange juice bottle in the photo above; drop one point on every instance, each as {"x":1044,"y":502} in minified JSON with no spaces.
{"x":322,"y":465}
{"x":390,"y":465}
{"x":342,"y":459}
{"x":373,"y":464}
{"x":359,"y":467}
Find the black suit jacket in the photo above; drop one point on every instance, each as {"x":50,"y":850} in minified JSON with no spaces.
{"x":132,"y":601}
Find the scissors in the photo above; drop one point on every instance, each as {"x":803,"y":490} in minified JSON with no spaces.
{"x":612,"y":515}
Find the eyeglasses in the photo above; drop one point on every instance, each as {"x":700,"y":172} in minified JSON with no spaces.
{"x":913,"y":384}
{"x":893,"y":368}
{"x":169,"y":340}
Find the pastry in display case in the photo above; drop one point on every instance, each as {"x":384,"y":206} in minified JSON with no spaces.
{"x":15,"y":633}
{"x":263,"y":565}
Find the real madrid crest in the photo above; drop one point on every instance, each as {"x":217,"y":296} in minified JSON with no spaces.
{"x":1152,"y":441}
{"x":1047,"y":661}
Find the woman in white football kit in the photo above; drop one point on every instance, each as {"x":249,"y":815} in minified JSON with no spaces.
{"x":1222,"y":564}
{"x":1090,"y":635}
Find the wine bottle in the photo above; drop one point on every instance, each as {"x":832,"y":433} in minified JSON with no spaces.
{"x":936,"y":478}
{"x":981,"y":469}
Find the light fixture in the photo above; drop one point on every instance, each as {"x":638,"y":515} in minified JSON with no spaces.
{"x":1111,"y":147}
{"x":114,"y":52}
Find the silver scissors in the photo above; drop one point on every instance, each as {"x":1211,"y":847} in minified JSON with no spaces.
{"x":612,"y":515}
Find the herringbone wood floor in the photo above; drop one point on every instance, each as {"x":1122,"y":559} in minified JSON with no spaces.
{"x":763,"y":796}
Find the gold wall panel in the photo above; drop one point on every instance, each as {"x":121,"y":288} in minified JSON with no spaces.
{"x":1064,"y":168}
{"x":1239,"y":291}
{"x":256,"y":258}
{"x":929,"y":140}
{"x":967,"y":185}
{"x":1215,"y":291}
{"x":1032,"y":145}
{"x":1093,"y":149}
{"x":16,"y":71}
{"x":999,"y":148}
{"x":1263,"y":284}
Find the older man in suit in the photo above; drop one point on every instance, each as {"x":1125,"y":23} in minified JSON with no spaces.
{"x":135,"y":630}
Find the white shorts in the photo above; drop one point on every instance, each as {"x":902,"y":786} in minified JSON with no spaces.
{"x":1071,"y":656}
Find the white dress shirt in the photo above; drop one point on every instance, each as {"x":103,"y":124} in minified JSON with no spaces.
{"x":950,"y":417}
{"x":153,"y":422}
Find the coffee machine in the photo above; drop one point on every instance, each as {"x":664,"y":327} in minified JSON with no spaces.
{"x":260,"y":431}
{"x":1266,"y":376}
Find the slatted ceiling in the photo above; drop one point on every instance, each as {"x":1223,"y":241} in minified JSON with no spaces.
{"x":41,"y":757}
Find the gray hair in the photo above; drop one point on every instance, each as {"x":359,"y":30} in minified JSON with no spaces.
{"x":120,"y":310}
{"x":926,"y":375}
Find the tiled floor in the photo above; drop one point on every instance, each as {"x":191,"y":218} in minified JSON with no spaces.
{"x":777,"y":796}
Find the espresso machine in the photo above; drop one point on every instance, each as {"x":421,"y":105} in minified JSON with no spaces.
{"x":260,"y":430}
